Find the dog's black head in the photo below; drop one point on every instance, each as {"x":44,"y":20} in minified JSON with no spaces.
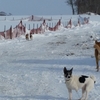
{"x":67,"y":73}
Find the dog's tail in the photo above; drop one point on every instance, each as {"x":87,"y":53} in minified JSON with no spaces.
{"x":93,"y":78}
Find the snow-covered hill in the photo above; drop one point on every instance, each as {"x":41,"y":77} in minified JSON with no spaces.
{"x":33,"y":70}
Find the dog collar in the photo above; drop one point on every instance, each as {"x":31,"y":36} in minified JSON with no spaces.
{"x":68,"y":80}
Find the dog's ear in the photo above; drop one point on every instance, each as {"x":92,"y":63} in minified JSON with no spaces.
{"x":64,"y":70}
{"x":71,"y":70}
{"x":95,"y":41}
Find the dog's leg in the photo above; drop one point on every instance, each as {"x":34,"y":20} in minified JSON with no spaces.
{"x":97,"y":63}
{"x":70,"y":94}
{"x":86,"y":97}
{"x":97,"y":60}
{"x":87,"y":89}
{"x":83,"y":93}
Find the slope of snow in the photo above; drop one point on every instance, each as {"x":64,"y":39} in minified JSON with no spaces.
{"x":33,"y":70}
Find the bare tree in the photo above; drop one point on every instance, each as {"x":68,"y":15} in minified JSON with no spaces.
{"x":71,"y":3}
{"x":84,"y":6}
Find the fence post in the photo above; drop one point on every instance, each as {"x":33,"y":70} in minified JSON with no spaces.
{"x":5,"y":18}
{"x":13,"y":18}
{"x":33,"y":28}
{"x":4,"y":31}
{"x":37,"y":29}
{"x":11,"y":32}
{"x":29,"y":26}
{"x":52,"y":27}
{"x":40,"y":29}
{"x":4,"y":28}
{"x":25,"y":25}
{"x":49,"y":24}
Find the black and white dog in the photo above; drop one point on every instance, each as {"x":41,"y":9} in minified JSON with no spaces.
{"x":86,"y":83}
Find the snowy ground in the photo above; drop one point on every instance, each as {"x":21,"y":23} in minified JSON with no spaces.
{"x":33,"y":70}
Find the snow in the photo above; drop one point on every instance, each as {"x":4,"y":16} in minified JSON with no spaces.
{"x":33,"y":70}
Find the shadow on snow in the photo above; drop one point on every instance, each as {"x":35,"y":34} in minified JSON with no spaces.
{"x":79,"y":61}
{"x":37,"y":97}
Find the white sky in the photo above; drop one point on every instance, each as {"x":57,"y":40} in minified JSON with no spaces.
{"x":37,"y":7}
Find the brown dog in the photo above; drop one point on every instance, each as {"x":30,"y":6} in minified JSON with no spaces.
{"x":97,"y":53}
{"x":27,"y":36}
{"x":31,"y":37}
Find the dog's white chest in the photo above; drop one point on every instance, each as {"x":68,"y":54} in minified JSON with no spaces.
{"x":74,"y":83}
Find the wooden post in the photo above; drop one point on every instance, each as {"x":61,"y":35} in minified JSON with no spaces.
{"x":52,"y":27}
{"x":13,"y":18}
{"x":4,"y":31}
{"x":40,"y":29}
{"x":37,"y":29}
{"x":33,"y":28}
{"x":25,"y":25}
{"x":11,"y":32}
{"x":29,"y":26}
{"x":5,"y":18}
{"x":4,"y":28}
{"x":49,"y":24}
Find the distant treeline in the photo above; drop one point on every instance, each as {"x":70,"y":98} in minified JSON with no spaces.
{"x":2,"y":13}
{"x":83,"y":6}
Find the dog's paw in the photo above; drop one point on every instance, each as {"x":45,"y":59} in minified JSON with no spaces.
{"x":81,"y":99}
{"x":98,"y":70}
